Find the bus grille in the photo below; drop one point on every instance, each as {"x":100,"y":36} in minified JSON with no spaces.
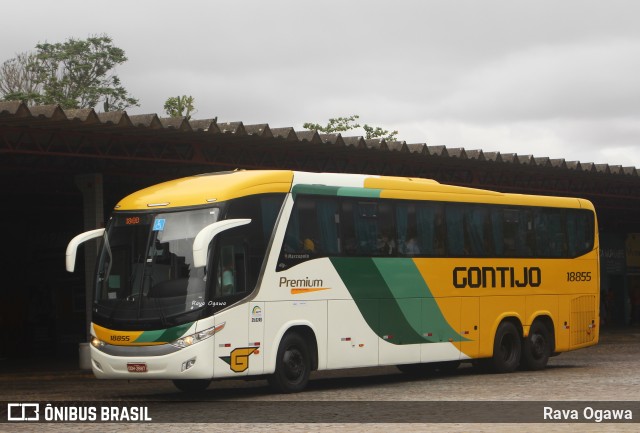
{"x":583,"y":316}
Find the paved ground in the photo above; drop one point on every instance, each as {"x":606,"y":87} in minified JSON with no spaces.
{"x":607,"y":372}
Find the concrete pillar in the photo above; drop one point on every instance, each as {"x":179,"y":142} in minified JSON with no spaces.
{"x":93,"y":210}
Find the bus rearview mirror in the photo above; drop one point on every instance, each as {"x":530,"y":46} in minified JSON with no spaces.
{"x":204,"y":237}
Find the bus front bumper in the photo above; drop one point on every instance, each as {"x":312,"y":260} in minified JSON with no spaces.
{"x":192,"y":362}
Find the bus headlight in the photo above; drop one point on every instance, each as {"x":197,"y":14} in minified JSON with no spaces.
{"x":98,"y":344}
{"x":192,"y":339}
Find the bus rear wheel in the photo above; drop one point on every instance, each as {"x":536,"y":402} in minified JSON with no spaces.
{"x":507,"y":348}
{"x":293,"y":365}
{"x":536,"y":348}
{"x":191,"y":385}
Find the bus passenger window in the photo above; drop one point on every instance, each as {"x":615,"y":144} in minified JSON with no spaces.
{"x":549,"y":233}
{"x":497,"y":230}
{"x":478,"y":228}
{"x":386,"y":244}
{"x":454,"y":219}
{"x":420,"y":228}
{"x":580,"y":228}
{"x":312,"y":232}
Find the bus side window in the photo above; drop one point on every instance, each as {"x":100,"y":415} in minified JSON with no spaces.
{"x":580,"y":229}
{"x":406,"y":229}
{"x":549,"y":233}
{"x":454,"y":220}
{"x":348,"y":229}
{"x":231,"y":270}
{"x":312,"y":231}
{"x":386,"y":242}
{"x":263,"y":211}
{"x":368,"y":228}
{"x":420,"y":227}
{"x":478,"y":231}
{"x":327,"y":220}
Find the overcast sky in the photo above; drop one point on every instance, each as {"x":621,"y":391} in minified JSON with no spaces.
{"x":548,"y":78}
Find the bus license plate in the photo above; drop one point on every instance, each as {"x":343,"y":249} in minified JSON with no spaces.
{"x":138,"y":367}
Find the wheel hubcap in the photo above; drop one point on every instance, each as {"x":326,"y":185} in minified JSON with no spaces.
{"x":294,"y":364}
{"x":537,"y":346}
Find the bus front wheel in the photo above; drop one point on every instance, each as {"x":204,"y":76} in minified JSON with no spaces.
{"x":506,"y":349}
{"x":293,"y":365}
{"x":536,"y":348}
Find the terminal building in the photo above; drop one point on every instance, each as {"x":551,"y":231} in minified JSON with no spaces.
{"x":64,"y":170}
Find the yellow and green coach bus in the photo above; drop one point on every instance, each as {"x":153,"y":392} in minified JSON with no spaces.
{"x":279,"y":273}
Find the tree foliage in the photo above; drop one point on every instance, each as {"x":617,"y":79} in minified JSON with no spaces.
{"x":77,"y":73}
{"x":342,"y":124}
{"x":337,"y":124}
{"x":18,"y":79}
{"x":180,"y":106}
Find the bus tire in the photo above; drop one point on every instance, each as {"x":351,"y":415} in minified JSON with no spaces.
{"x":191,"y":385}
{"x":507,"y":348}
{"x":536,"y":348}
{"x":293,"y":365}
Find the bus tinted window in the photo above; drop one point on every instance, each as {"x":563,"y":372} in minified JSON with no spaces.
{"x":550,"y":240}
{"x":517,"y":229}
{"x":329,"y":226}
{"x":368,"y":228}
{"x":313,"y":231}
{"x":580,"y":232}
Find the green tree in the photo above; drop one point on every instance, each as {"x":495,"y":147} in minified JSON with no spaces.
{"x":77,"y":73}
{"x":338,"y":124}
{"x":377,"y":132}
{"x":342,"y":124}
{"x":179,"y":106}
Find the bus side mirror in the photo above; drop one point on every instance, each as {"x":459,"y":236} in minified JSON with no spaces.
{"x":72,"y":248}
{"x":204,"y":237}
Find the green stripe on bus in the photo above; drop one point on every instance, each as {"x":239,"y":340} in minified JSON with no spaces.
{"x":406,"y":282}
{"x":394,"y":299}
{"x":164,"y":335}
{"x":348,"y":191}
{"x":343,"y":191}
{"x":314,"y":190}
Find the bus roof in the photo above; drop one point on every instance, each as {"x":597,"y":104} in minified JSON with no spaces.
{"x":221,"y":186}
{"x":208,"y":188}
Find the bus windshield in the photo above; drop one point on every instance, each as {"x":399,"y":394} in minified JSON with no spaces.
{"x":146,"y":276}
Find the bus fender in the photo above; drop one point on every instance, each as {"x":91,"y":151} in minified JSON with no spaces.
{"x":270,"y":361}
{"x":507,"y":315}
{"x":534,"y":316}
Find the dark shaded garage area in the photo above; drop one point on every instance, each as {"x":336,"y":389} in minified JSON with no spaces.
{"x":62,"y":171}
